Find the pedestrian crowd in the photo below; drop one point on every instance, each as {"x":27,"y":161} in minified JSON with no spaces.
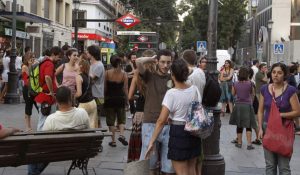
{"x":158,"y":90}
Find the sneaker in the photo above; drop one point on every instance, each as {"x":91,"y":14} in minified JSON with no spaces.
{"x":256,"y":142}
{"x":250,"y":147}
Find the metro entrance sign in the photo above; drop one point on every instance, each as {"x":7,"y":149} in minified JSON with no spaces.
{"x":128,"y":20}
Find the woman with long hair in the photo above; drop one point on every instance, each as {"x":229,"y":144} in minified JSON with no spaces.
{"x":184,"y":148}
{"x":288,"y":105}
{"x":84,"y":94}
{"x":226,"y":84}
{"x":5,"y":61}
{"x":115,"y":99}
{"x":29,"y":100}
{"x":69,"y":70}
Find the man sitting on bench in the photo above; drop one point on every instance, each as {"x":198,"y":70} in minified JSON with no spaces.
{"x":66,"y":118}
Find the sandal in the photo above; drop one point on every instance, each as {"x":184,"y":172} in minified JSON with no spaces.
{"x":256,"y":142}
{"x":123,"y":140}
{"x":234,"y":141}
{"x":112,"y":144}
{"x":238,"y":145}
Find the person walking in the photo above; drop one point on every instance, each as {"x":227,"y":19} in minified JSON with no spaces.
{"x":184,"y":148}
{"x":130,"y":67}
{"x":288,"y":104}
{"x":116,"y":97}
{"x":84,"y":94}
{"x":243,"y":115}
{"x":226,"y":86}
{"x":5,"y":61}
{"x":261,"y":78}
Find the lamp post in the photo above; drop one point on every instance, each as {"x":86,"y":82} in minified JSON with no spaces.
{"x":270,"y":25}
{"x":158,"y":23}
{"x":76,"y":8}
{"x":213,"y":163}
{"x":253,"y":8}
{"x":12,"y":97}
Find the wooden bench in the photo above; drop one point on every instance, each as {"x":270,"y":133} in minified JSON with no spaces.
{"x":44,"y":147}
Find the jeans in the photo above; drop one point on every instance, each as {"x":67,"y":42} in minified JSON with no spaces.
{"x":37,"y":168}
{"x":163,"y":139}
{"x":42,"y":118}
{"x":274,"y":160}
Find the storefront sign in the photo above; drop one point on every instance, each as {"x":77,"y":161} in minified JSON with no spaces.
{"x":19,"y":34}
{"x":91,"y":36}
{"x":128,"y":32}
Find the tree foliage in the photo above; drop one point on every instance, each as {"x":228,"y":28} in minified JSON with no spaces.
{"x":231,"y":17}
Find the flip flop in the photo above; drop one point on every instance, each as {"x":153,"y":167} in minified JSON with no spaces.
{"x":112,"y":144}
{"x":123,"y":140}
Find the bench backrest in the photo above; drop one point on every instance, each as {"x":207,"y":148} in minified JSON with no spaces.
{"x":22,"y":149}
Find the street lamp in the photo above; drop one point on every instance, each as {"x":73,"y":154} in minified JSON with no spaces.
{"x":253,"y":8}
{"x":12,"y":97}
{"x":76,"y":8}
{"x":213,"y":163}
{"x":270,"y":25}
{"x":158,"y":23}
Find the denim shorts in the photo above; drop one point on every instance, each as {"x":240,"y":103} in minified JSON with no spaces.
{"x":163,"y":139}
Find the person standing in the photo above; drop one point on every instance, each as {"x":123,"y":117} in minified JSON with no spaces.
{"x":84,"y":94}
{"x":226,"y":85}
{"x":97,"y":73}
{"x":69,"y":71}
{"x":116,"y":97}
{"x":29,"y":100}
{"x":255,"y":69}
{"x":243,"y":115}
{"x":288,"y":104}
{"x":129,"y":69}
{"x":6,"y":60}
{"x":156,"y":88}
{"x":261,"y":78}
{"x":48,"y":82}
{"x":184,"y":148}
{"x":203,"y":63}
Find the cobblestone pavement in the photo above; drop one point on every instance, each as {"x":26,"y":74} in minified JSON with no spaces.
{"x":112,"y":160}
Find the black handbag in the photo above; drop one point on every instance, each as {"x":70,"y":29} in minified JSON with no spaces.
{"x":45,"y":109}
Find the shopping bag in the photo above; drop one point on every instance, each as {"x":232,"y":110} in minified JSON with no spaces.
{"x":140,"y":167}
{"x":279,"y":136}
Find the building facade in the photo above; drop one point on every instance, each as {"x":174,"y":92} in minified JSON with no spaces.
{"x":96,"y":33}
{"x":285,"y":29}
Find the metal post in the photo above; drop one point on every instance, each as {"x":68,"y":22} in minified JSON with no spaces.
{"x":269,"y":47}
{"x":11,"y":96}
{"x":253,"y":34}
{"x":76,"y":29}
{"x":213,"y":163}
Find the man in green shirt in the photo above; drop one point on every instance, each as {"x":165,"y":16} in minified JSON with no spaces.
{"x":261,"y":78}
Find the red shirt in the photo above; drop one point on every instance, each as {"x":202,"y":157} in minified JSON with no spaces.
{"x":46,"y":68}
{"x":25,"y":78}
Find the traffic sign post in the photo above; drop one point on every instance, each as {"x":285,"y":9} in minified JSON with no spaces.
{"x":278,"y":48}
{"x":201,"y":46}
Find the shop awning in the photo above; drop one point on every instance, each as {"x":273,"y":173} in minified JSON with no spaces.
{"x":25,"y":17}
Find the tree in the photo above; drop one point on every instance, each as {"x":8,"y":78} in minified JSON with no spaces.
{"x":231,"y":18}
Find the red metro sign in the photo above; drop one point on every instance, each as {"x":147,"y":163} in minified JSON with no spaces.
{"x":128,"y":20}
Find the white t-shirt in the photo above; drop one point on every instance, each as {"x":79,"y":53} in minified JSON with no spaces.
{"x":97,"y":69}
{"x":255,"y":70}
{"x":197,"y":78}
{"x":18,"y":63}
{"x":77,"y":118}
{"x":178,"y":101}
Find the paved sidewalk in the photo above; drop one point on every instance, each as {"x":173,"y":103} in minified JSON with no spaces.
{"x":112,"y":160}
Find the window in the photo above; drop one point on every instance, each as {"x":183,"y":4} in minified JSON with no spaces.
{"x":58,"y":6}
{"x":46,"y":9}
{"x":295,"y":33}
{"x":33,"y":6}
{"x":295,"y":15}
{"x":81,"y":15}
{"x":99,"y":24}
